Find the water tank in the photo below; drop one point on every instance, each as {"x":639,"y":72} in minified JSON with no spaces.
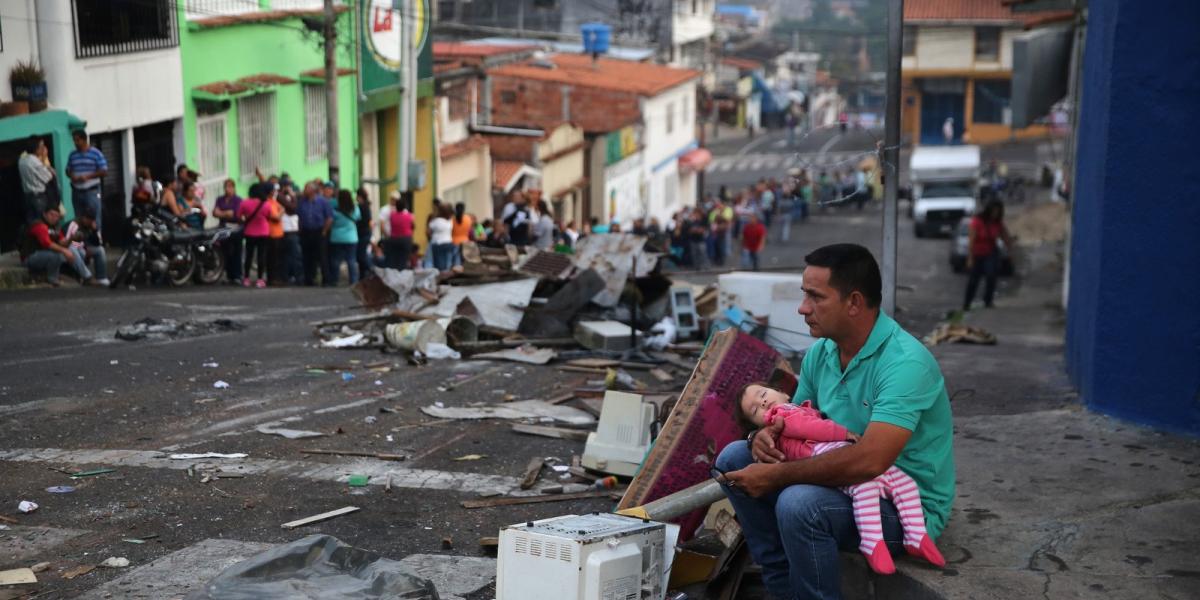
{"x":596,"y":37}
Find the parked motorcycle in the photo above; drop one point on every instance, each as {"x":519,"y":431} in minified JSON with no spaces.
{"x":163,"y":249}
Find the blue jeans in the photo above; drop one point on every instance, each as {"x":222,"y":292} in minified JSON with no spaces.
{"x":338,"y":254}
{"x":99,"y":260}
{"x":89,"y":198}
{"x":51,"y":262}
{"x":795,"y":534}
{"x":443,"y":256}
{"x":293,"y":258}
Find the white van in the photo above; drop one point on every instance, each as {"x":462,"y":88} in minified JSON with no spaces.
{"x":945,"y":182}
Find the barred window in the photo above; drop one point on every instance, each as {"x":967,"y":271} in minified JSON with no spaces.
{"x":257,"y":135}
{"x":314,"y":123}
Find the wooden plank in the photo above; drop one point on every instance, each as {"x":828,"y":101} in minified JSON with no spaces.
{"x":345,"y":510}
{"x":661,"y":375}
{"x":551,"y":432}
{"x":559,"y":399}
{"x":594,"y":363}
{"x":17,"y":576}
{"x":12,"y":521}
{"x":575,"y":369}
{"x":531,"y":472}
{"x":379,"y":455}
{"x":490,"y":502}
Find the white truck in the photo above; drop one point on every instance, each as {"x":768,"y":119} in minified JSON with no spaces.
{"x":945,"y":183}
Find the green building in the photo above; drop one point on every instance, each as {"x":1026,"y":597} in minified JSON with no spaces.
{"x":254,"y":95}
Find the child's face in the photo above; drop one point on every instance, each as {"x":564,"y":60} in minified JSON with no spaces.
{"x":757,"y":400}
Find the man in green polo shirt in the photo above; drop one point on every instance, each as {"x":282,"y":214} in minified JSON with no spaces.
{"x":877,"y":380}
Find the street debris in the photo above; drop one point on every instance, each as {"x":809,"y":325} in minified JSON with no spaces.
{"x":194,"y":456}
{"x":76,"y":571}
{"x":27,"y":506}
{"x":358,"y":480}
{"x":60,"y":489}
{"x":317,"y":566}
{"x":469,"y":457}
{"x":510,"y":501}
{"x":321,"y":517}
{"x":377,"y":455}
{"x":440,"y":351}
{"x":39,"y":567}
{"x":114,"y":562}
{"x":151,"y":328}
{"x":221,"y":385}
{"x":551,"y":432}
{"x":17,"y":577}
{"x":210,"y":365}
{"x":291,"y":434}
{"x":523,"y":409}
{"x":91,"y":473}
{"x":957,"y":332}
{"x":523,"y":354}
{"x":344,"y":342}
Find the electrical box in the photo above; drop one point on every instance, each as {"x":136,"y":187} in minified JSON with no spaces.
{"x":600,"y":556}
{"x":416,"y":174}
{"x":622,"y":438}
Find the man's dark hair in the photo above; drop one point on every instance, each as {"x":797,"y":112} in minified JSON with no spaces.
{"x":79,"y":134}
{"x":851,"y":268}
{"x":32,"y":143}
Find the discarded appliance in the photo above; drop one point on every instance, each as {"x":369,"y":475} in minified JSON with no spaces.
{"x":683,"y":308}
{"x":622,"y":438}
{"x":776,"y":296}
{"x":583,"y":557}
{"x":415,"y":335}
{"x":612,"y":336}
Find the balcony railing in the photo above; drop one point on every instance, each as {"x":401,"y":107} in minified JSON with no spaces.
{"x":109,"y":27}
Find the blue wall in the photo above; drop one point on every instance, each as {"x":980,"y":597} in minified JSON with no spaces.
{"x":1133,"y":319}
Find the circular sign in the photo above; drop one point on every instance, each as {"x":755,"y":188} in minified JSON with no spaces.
{"x":382,"y":23}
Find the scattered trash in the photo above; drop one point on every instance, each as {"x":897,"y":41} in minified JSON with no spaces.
{"x":569,"y":488}
{"x":186,"y":456}
{"x":114,"y":562}
{"x":321,"y":517}
{"x":114,"y":362}
{"x":439,"y":351}
{"x":378,"y":382}
{"x":38,"y":568}
{"x":378,"y":455}
{"x":523,"y":409}
{"x":415,"y":335}
{"x":470,"y":457}
{"x":524,"y":354}
{"x":605,"y":483}
{"x":92,"y":473}
{"x":205,"y":400}
{"x":370,"y":419}
{"x":551,"y":432}
{"x":60,"y":489}
{"x":133,"y":540}
{"x":389,"y":438}
{"x":210,"y":365}
{"x":347,"y":376}
{"x":611,"y":336}
{"x":291,"y":434}
{"x":220,"y":385}
{"x":74,"y":572}
{"x":322,"y":567}
{"x":151,"y":328}
{"x":344,"y":342}
{"x":17,"y":577}
{"x":661,"y":335}
{"x":358,"y":480}
{"x":27,"y":506}
{"x":957,"y":332}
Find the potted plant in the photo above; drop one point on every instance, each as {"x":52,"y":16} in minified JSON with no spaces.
{"x":28,"y":83}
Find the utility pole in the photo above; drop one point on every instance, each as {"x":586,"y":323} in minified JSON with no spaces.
{"x":890,"y":156}
{"x":331,"y":104}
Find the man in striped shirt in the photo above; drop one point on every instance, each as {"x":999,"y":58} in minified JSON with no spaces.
{"x":86,"y":166}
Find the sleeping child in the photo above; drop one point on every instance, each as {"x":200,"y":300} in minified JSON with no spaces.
{"x":807,"y":432}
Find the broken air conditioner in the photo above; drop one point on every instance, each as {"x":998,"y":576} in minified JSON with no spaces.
{"x":622,"y":437}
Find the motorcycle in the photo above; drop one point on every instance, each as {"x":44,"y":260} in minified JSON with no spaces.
{"x":163,"y":249}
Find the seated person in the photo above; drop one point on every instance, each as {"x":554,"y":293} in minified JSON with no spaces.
{"x":85,"y":239}
{"x":876,"y":380}
{"x":43,"y":249}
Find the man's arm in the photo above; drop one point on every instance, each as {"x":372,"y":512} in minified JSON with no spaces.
{"x":874,"y":453}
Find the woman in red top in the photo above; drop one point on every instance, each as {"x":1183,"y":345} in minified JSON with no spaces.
{"x":983,"y":254}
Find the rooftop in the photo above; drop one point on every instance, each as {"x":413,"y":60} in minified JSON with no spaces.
{"x":644,"y":79}
{"x":997,"y":11}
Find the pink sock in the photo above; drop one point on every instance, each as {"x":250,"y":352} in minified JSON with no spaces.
{"x":880,"y":559}
{"x":926,"y":550}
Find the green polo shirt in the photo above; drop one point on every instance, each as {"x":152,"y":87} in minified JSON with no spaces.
{"x":893,"y":379}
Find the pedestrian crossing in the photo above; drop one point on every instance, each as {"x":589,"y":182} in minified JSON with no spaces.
{"x":783,"y":162}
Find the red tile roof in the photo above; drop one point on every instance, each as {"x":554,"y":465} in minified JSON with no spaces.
{"x":741,"y":63}
{"x":467,"y":50}
{"x":504,"y":170}
{"x":462,"y":147}
{"x":244,"y":84}
{"x":976,"y":10}
{"x":644,"y":79}
{"x":320,"y":72}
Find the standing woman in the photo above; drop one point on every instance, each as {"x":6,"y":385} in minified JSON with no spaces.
{"x":276,"y":255}
{"x":543,"y":227}
{"x":343,"y":238}
{"x":365,"y":226}
{"x":983,"y":256}
{"x":226,"y":211}
{"x":460,"y":231}
{"x":441,"y":241}
{"x":253,"y":214}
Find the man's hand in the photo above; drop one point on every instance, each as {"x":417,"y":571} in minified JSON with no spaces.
{"x":764,"y":448}
{"x":755,"y":480}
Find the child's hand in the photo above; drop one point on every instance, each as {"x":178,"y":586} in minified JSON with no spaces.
{"x":852,"y":437}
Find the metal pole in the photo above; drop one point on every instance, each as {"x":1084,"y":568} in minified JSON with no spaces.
{"x":890,"y":157}
{"x":403,"y":122}
{"x":331,"y":92}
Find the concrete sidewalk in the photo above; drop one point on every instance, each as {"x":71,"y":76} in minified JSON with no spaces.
{"x":1060,"y":502}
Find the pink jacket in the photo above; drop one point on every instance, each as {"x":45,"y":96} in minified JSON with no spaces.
{"x":803,"y":427}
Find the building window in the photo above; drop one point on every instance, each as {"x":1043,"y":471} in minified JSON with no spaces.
{"x":210,"y":142}
{"x":106,"y":27}
{"x":314,"y":123}
{"x":992,"y":101}
{"x":987,"y":44}
{"x":670,"y":117}
{"x":256,"y":135}
{"x":686,"y":112}
{"x":458,"y":193}
{"x":910,"y":40}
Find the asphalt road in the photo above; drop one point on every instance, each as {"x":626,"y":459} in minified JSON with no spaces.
{"x":73,"y":397}
{"x":739,"y":163}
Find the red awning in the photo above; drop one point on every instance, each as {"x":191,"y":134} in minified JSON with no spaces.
{"x":695,"y":160}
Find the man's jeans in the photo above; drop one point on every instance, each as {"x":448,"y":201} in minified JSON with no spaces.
{"x":795,"y":534}
{"x":293,"y":258}
{"x":99,"y":260}
{"x":87,"y":198}
{"x":51,"y":262}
